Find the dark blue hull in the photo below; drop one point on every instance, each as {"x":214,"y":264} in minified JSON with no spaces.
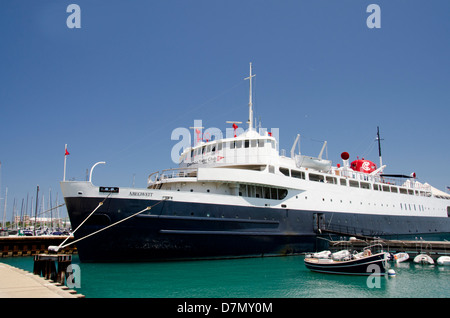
{"x":181,"y":230}
{"x":371,"y":265}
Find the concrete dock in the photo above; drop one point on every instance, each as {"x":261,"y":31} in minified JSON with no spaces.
{"x":18,"y":283}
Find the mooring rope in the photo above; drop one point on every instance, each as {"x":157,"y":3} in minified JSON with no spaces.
{"x":99,"y":205}
{"x":111,"y":225}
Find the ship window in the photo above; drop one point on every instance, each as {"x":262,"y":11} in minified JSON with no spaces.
{"x":386,"y":188}
{"x":213,"y":148}
{"x":219,"y":146}
{"x":203,"y":150}
{"x":394,"y":189}
{"x":260,"y":142}
{"x":354,"y":183}
{"x":375,"y":186}
{"x":365,"y":185}
{"x":403,"y":191}
{"x":343,"y":182}
{"x":410,"y":191}
{"x":282,"y":193}
{"x":232,"y":144}
{"x":273,"y":194}
{"x":242,"y":190}
{"x":239,"y":144}
{"x":192,"y":153}
{"x":331,"y":180}
{"x":259,"y":192}
{"x":315,"y":177}
{"x":271,"y":169}
{"x":284,"y":171}
{"x":253,"y":143}
{"x":297,"y":174}
{"x":246,"y":143}
{"x":262,"y":192}
{"x":448,"y":211}
{"x":208,"y":149}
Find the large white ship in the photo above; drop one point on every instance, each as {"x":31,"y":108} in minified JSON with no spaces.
{"x":238,"y":197}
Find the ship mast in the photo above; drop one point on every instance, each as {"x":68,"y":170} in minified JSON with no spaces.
{"x":379,"y":145}
{"x":250,"y":103}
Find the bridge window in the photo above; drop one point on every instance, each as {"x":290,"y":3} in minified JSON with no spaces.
{"x":365,"y":185}
{"x":284,"y":171}
{"x":315,"y":177}
{"x":331,"y":180}
{"x":354,"y":183}
{"x":297,"y":174}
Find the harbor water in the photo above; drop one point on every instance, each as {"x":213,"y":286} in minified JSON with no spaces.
{"x":267,"y":277}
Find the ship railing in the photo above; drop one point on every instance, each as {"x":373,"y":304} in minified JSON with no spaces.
{"x":409,"y":184}
{"x":169,"y":174}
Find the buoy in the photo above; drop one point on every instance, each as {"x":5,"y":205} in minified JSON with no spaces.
{"x":391,"y":272}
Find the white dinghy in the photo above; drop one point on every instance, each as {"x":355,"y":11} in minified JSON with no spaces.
{"x":423,"y":259}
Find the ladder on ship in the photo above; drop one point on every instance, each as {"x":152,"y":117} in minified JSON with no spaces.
{"x":323,"y":227}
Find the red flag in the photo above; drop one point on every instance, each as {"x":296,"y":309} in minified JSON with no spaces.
{"x":67,"y":153}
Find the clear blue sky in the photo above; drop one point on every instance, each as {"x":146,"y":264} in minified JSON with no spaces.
{"x":115,"y":89}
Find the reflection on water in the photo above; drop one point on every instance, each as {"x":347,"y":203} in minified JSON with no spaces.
{"x":272,"y":277}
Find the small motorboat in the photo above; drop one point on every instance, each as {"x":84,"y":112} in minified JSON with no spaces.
{"x":443,"y":260}
{"x":365,"y":264}
{"x":401,"y":257}
{"x":423,"y":259}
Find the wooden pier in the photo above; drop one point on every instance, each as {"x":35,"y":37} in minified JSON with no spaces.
{"x":432,"y":248}
{"x":12,"y":246}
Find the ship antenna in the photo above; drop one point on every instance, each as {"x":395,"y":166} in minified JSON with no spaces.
{"x":250,"y":103}
{"x":379,"y":145}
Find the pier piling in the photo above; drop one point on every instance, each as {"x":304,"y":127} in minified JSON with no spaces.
{"x":52,"y":266}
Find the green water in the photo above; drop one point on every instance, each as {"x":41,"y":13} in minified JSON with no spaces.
{"x":269,"y":277}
